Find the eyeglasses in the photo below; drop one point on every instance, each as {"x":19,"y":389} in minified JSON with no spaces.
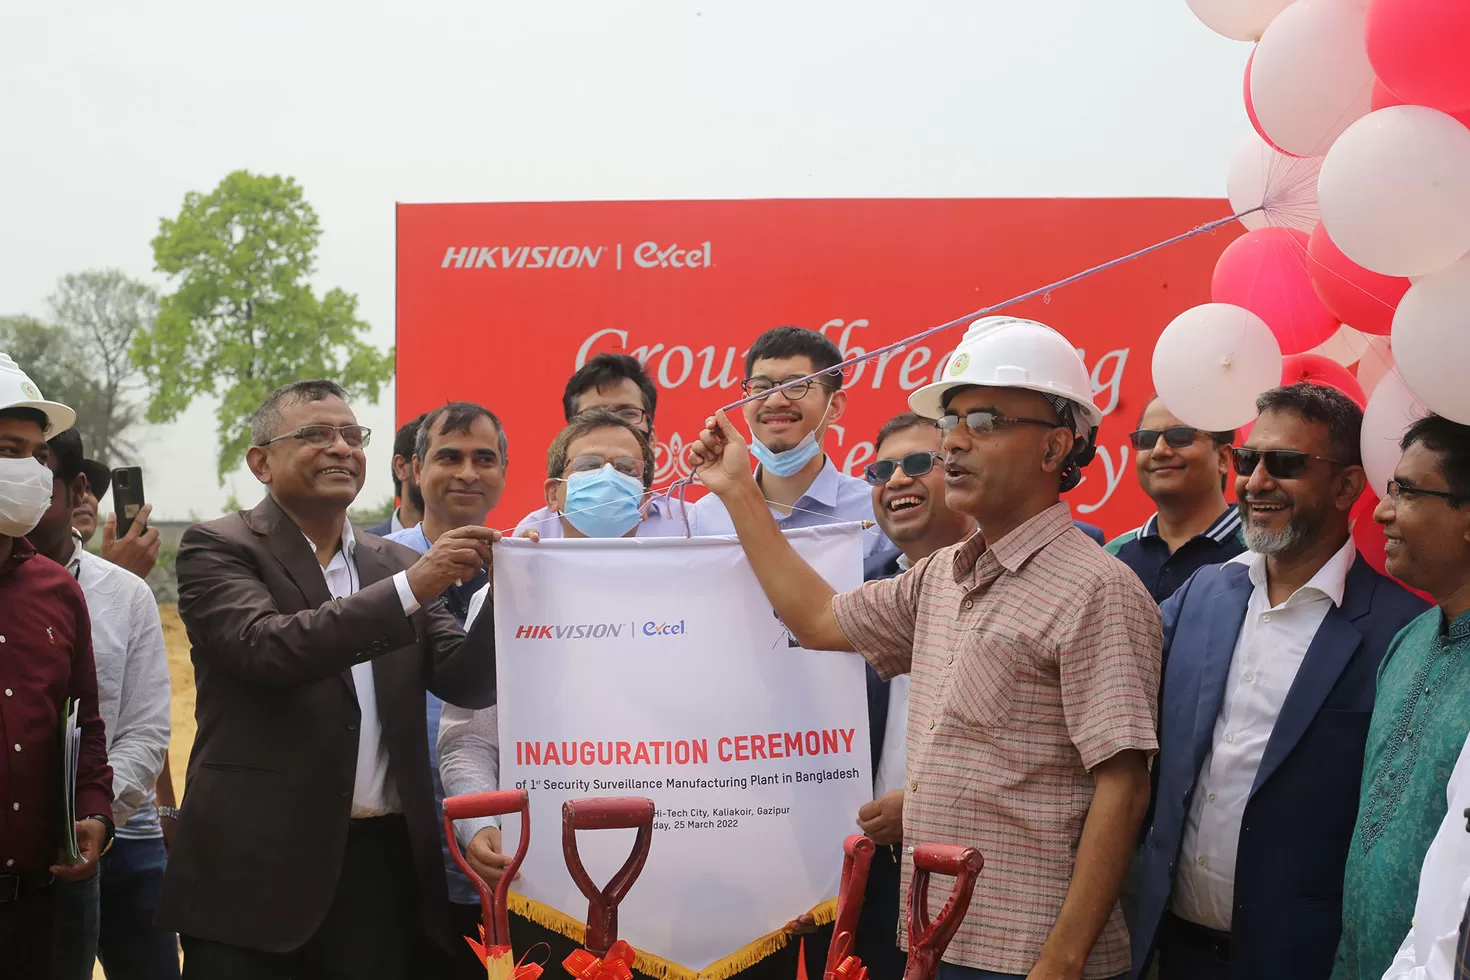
{"x":913,"y":464}
{"x":322,"y":436}
{"x":1175,"y":437}
{"x":626,"y":465}
{"x":629,"y":414}
{"x":1397,"y":490}
{"x":760,"y":386}
{"x":990,"y":421}
{"x":1281,"y":464}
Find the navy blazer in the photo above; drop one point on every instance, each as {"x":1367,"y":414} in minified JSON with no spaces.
{"x":1299,"y":820}
{"x":882,"y":565}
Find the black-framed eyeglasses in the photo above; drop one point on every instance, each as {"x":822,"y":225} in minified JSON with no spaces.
{"x":322,"y":436}
{"x":913,"y":464}
{"x":1281,"y":464}
{"x":1175,"y":437}
{"x":1396,"y":490}
{"x":760,"y":385}
{"x":985,"y":421}
{"x":630,"y":414}
{"x":626,"y":465}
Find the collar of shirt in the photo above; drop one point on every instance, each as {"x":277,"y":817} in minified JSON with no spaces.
{"x":20,"y":551}
{"x":74,"y":563}
{"x":344,"y":552}
{"x":1458,"y":630}
{"x":823,"y":490}
{"x":395,"y":521}
{"x":411,"y":537}
{"x":1225,"y":525}
{"x":903,"y":562}
{"x":1013,"y":550}
{"x":1330,"y":580}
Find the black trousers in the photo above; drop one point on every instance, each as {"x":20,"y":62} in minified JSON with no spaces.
{"x":1190,"y":952}
{"x":26,"y":932}
{"x":372,"y":930}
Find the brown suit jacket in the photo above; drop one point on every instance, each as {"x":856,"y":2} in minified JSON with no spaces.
{"x":269,"y":791}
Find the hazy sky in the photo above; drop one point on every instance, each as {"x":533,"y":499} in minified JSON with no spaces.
{"x":111,"y":113}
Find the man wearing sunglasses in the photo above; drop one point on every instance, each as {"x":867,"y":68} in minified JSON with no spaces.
{"x":1034,"y":656}
{"x":308,"y":841}
{"x":1183,"y":471}
{"x":801,"y":486}
{"x":1421,"y":716}
{"x":1269,"y":669}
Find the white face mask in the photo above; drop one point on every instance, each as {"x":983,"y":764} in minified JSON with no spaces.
{"x":25,"y":493}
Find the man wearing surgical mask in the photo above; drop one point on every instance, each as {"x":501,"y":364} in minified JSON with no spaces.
{"x":46,"y":659}
{"x":788,"y":428}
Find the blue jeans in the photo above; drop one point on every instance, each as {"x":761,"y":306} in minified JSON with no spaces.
{"x":128,"y":943}
{"x":951,"y":971}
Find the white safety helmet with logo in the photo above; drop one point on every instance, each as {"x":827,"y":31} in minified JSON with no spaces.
{"x":1006,"y":352}
{"x":17,"y":390}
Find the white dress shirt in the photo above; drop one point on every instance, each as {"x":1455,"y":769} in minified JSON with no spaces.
{"x":1428,"y":952}
{"x":133,"y":689}
{"x":469,"y":747}
{"x":663,"y":517}
{"x":373,"y":792}
{"x":1268,"y":653}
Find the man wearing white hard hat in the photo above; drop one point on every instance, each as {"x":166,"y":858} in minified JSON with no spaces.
{"x":1034,"y":655}
{"x":45,"y":665}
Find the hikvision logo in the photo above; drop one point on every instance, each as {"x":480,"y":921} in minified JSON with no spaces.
{"x":569,"y":631}
{"x":645,"y":255}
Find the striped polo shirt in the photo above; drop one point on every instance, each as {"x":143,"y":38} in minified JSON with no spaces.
{"x":1142,"y":550}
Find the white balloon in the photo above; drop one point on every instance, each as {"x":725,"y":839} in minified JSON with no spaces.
{"x":1374,"y":363}
{"x":1392,"y":408}
{"x":1239,"y":20}
{"x":1345,"y":347}
{"x":1430,"y":338}
{"x":1286,"y":186}
{"x":1395,"y":191}
{"x":1212,"y":362}
{"x":1310,"y":76}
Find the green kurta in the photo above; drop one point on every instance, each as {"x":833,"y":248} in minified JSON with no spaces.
{"x":1421,"y":717}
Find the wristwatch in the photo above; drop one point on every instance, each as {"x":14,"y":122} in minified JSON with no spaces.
{"x":106,"y":821}
{"x":168,"y":813}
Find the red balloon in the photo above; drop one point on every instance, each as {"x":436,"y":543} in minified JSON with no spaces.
{"x":1383,"y":97}
{"x":1250,"y":110}
{"x":1362,"y":299}
{"x":1318,"y":370}
{"x":1369,"y":540}
{"x":1265,"y":271}
{"x":1419,"y":47}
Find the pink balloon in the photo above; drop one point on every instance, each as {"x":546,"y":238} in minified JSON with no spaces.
{"x":1375,"y":362}
{"x":1362,"y":299}
{"x":1383,"y":97}
{"x":1419,"y":49}
{"x":1318,"y":370}
{"x":1250,"y":110}
{"x":1265,"y":271}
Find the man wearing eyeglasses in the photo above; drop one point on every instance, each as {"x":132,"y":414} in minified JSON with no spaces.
{"x":1270,"y":662}
{"x":1421,"y":716}
{"x":1183,"y":471}
{"x":618,"y":384}
{"x":1034,"y":656}
{"x":308,"y":840}
{"x":801,"y":486}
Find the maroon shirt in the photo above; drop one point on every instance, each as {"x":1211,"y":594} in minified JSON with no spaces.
{"x":45,"y":657}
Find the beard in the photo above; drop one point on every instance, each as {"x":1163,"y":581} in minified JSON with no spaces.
{"x":415,"y":495}
{"x":1300,"y":529}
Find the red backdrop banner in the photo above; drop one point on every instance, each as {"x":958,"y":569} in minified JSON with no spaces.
{"x":500,"y":303}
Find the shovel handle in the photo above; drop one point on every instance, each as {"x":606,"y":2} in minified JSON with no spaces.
{"x":492,"y":902}
{"x":857,"y":859}
{"x":928,"y":940}
{"x":602,"y":903}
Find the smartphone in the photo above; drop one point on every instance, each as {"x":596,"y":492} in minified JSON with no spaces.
{"x":127,"y":496}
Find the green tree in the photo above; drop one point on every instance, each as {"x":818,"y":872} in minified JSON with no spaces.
{"x":41,"y":351}
{"x":244,"y":318}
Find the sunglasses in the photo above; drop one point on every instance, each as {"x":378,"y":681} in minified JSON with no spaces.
{"x":987,"y":421}
{"x":913,"y":464}
{"x":1281,"y":464}
{"x":1175,"y":437}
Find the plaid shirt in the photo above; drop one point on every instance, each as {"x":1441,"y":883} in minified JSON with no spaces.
{"x":1032,"y":662}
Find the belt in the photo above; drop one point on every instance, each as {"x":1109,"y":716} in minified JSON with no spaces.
{"x":1212,"y":941}
{"x":12,"y":887}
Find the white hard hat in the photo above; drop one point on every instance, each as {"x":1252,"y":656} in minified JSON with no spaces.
{"x":1004,"y":352}
{"x":17,"y":390}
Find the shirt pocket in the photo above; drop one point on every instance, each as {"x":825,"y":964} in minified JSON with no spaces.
{"x":982,"y":686}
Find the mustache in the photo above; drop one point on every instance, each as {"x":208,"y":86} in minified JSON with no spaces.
{"x":1265,"y":498}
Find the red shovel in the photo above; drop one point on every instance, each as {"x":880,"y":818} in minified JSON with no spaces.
{"x":492,"y":903}
{"x":928,"y":940}
{"x":602,"y":903}
{"x":857,"y":858}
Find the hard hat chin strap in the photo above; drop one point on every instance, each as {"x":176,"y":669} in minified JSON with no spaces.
{"x":1084,"y":449}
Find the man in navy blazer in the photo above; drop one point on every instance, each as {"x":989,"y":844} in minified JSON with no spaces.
{"x":1270,"y":667}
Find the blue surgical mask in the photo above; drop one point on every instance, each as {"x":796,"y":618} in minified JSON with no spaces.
{"x":789,"y":462}
{"x":604,"y":503}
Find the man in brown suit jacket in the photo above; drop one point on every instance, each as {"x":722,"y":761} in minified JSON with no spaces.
{"x":307,"y":843}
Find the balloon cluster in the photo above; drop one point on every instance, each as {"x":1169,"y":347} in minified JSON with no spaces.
{"x":1357,"y":177}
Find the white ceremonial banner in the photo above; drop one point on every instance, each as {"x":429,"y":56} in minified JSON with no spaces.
{"x":656,"y":667}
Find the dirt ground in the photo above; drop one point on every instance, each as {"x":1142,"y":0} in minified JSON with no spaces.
{"x":181,"y":672}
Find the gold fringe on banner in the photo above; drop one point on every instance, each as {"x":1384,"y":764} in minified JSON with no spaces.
{"x":657,"y":967}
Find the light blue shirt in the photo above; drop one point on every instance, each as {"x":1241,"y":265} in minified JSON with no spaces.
{"x":833,"y":498}
{"x":461,"y":892}
{"x":664,"y":518}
